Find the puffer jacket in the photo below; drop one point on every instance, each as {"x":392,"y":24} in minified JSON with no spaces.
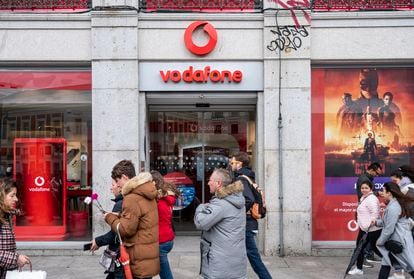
{"x":368,"y":210}
{"x":222,"y":244}
{"x":139,"y":225}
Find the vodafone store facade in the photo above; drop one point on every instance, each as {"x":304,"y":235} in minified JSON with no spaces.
{"x":180,"y":92}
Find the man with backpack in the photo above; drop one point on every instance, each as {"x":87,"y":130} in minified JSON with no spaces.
{"x":239,"y":163}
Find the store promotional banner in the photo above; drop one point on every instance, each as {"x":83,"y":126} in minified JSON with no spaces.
{"x":359,"y":116}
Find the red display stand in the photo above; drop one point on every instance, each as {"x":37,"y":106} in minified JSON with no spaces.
{"x":40,"y":174}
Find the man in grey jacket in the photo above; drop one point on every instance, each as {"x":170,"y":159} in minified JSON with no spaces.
{"x":222,"y":221}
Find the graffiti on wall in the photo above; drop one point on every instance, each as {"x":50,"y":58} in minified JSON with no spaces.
{"x":287,"y":38}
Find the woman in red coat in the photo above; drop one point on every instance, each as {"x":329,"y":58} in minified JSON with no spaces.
{"x":167,"y":194}
{"x":9,"y":258}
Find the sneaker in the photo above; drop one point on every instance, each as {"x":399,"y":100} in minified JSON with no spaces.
{"x":367,"y":264}
{"x":356,"y":271}
{"x":373,"y":259}
{"x":397,"y":275}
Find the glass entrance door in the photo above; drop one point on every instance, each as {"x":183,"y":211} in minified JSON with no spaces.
{"x":186,"y":146}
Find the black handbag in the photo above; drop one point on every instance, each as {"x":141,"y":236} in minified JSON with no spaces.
{"x":393,"y":246}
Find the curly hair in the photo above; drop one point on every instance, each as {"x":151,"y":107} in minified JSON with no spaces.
{"x":6,"y":186}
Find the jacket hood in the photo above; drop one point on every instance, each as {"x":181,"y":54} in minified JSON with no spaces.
{"x":142,"y":185}
{"x":232,"y":193}
{"x":245,"y":171}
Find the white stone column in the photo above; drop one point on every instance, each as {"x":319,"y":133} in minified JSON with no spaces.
{"x":287,"y":58}
{"x":114,"y":97}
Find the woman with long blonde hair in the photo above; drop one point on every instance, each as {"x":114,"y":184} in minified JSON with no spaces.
{"x":9,"y":258}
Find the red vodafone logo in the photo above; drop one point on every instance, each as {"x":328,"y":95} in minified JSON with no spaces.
{"x":211,"y":32}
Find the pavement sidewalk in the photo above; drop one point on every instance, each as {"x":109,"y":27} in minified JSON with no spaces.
{"x":185,"y":264}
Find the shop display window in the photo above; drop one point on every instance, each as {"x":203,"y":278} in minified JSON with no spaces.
{"x":45,"y":145}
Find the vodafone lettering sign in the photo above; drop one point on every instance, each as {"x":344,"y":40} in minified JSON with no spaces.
{"x":201,"y":76}
{"x":211,"y":32}
{"x":205,"y":75}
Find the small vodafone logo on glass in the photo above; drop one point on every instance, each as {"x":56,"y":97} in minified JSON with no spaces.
{"x":211,"y":32}
{"x":39,"y":181}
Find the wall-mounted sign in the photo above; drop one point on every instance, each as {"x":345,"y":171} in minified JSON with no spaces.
{"x":201,"y":76}
{"x":211,"y":32}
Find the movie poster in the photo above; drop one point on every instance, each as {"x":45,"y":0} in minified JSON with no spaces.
{"x":359,"y":116}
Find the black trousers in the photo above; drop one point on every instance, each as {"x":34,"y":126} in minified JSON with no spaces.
{"x":386,"y":269}
{"x":372,"y":240}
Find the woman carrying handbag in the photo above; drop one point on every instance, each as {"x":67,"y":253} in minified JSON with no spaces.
{"x":395,"y":243}
{"x":9,"y":258}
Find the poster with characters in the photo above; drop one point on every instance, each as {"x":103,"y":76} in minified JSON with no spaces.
{"x":360,"y":116}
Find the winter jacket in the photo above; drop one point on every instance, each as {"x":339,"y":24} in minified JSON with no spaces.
{"x":251,"y":223}
{"x":110,"y":237}
{"x":8,"y":255}
{"x":398,"y":229}
{"x":139,"y":225}
{"x":368,"y":210}
{"x":222,"y":244}
{"x":165,"y":208}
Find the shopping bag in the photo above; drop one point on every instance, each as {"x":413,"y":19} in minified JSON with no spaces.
{"x":124,"y":257}
{"x":26,"y":274}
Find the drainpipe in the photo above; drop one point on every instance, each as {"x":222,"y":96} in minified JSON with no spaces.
{"x":280,"y":154}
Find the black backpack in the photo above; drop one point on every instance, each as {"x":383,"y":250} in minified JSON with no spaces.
{"x":258,"y":209}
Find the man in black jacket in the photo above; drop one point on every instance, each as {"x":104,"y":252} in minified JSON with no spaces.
{"x":240,"y":166}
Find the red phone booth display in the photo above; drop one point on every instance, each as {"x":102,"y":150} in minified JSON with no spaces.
{"x":40,"y":173}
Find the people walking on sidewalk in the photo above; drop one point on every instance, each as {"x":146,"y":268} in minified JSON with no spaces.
{"x":222,"y":221}
{"x":373,"y":170}
{"x":367,"y":211}
{"x":138,"y":221}
{"x":9,"y":258}
{"x":166,"y":196}
{"x":397,"y":227}
{"x":240,"y":163}
{"x":116,"y":270}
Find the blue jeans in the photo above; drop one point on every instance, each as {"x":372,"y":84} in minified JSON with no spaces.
{"x":165,"y":271}
{"x":254,"y":256}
